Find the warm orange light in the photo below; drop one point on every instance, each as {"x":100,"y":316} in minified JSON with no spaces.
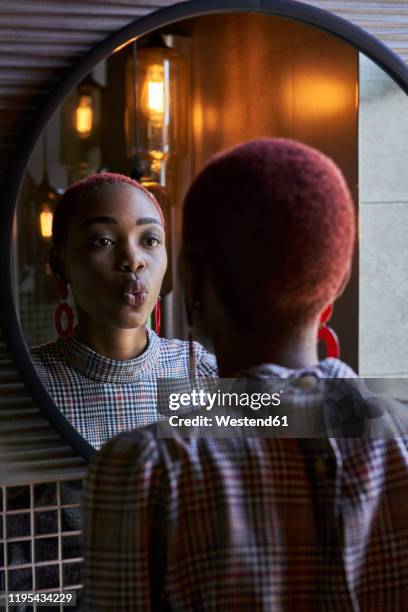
{"x":321,"y":96}
{"x":84,"y":116}
{"x":46,"y":223}
{"x":154,"y":99}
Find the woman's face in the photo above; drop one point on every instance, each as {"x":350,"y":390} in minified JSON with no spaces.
{"x":115,"y":256}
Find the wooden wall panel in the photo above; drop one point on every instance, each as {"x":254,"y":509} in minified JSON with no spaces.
{"x":387,"y":20}
{"x":39,"y":40}
{"x":296,"y":82}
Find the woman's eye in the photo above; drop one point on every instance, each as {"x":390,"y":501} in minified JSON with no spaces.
{"x":102,"y":241}
{"x":152,"y":241}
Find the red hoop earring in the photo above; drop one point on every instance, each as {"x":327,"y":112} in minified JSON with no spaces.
{"x":62,"y":309}
{"x":157,"y":316}
{"x":328,"y":335}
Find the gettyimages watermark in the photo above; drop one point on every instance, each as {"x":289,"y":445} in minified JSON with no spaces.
{"x":302,"y":407}
{"x":210,"y":399}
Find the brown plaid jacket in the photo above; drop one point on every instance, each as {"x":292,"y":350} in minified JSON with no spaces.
{"x":247,"y":523}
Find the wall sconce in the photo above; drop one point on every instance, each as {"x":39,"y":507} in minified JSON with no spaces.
{"x":84,"y":117}
{"x":45,"y":197}
{"x":46,"y":221}
{"x":88,"y":109}
{"x":156,"y":105}
{"x":81,"y":124}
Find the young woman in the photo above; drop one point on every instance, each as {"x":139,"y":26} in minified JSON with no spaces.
{"x":255,"y":522}
{"x":109,"y":250}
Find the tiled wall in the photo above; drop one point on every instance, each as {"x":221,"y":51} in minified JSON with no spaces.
{"x":383,"y":177}
{"x":40,"y":548}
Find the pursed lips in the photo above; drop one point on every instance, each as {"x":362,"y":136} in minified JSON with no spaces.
{"x":134,"y":292}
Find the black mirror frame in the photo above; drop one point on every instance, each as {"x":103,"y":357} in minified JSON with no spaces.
{"x":352,"y":34}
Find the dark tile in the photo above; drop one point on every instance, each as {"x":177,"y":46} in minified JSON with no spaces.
{"x":1,"y":526}
{"x":18,"y":525}
{"x":1,"y":555}
{"x":46,"y":549}
{"x":45,"y":494}
{"x":2,"y":580}
{"x":20,"y":579}
{"x":18,"y":498}
{"x":71,"y":573}
{"x":71,"y":547}
{"x":46,"y":521}
{"x":77,"y":606}
{"x":19,"y":553}
{"x":47,"y":576}
{"x":70,"y":519}
{"x":71,"y":491}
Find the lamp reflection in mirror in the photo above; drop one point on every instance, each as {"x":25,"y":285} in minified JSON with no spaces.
{"x":81,"y":130}
{"x":45,"y":198}
{"x":84,"y":116}
{"x":88,"y":109}
{"x":46,"y":221}
{"x":155,"y":114}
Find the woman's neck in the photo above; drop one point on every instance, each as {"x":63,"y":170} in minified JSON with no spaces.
{"x":112,"y":342}
{"x":240,"y":351}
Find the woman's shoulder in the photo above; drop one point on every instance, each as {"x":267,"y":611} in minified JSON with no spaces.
{"x":179,"y":349}
{"x":49,"y":364}
{"x":44,"y":352}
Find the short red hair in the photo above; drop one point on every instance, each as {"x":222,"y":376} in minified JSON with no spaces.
{"x":273,"y":222}
{"x":80,"y":190}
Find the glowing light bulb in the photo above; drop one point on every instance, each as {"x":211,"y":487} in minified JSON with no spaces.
{"x":84,"y":116}
{"x":155,"y":98}
{"x":46,"y":223}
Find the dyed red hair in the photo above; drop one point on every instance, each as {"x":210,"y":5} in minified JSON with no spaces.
{"x":273,"y":222}
{"x":80,"y":190}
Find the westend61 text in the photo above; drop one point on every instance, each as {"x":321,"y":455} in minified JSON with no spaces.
{"x":228,"y":421}
{"x":206,"y":400}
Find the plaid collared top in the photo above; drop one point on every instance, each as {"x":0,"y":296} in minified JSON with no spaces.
{"x":251,"y":523}
{"x":102,"y":397}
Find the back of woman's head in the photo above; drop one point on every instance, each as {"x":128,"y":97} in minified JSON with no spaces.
{"x":273,"y":224}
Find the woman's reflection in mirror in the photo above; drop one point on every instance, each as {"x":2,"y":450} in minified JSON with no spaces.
{"x":109,"y":253}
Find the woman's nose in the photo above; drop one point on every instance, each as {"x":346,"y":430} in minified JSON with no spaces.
{"x":132,"y":260}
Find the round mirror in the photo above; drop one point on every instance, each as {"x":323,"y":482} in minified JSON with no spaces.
{"x":155,"y":102}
